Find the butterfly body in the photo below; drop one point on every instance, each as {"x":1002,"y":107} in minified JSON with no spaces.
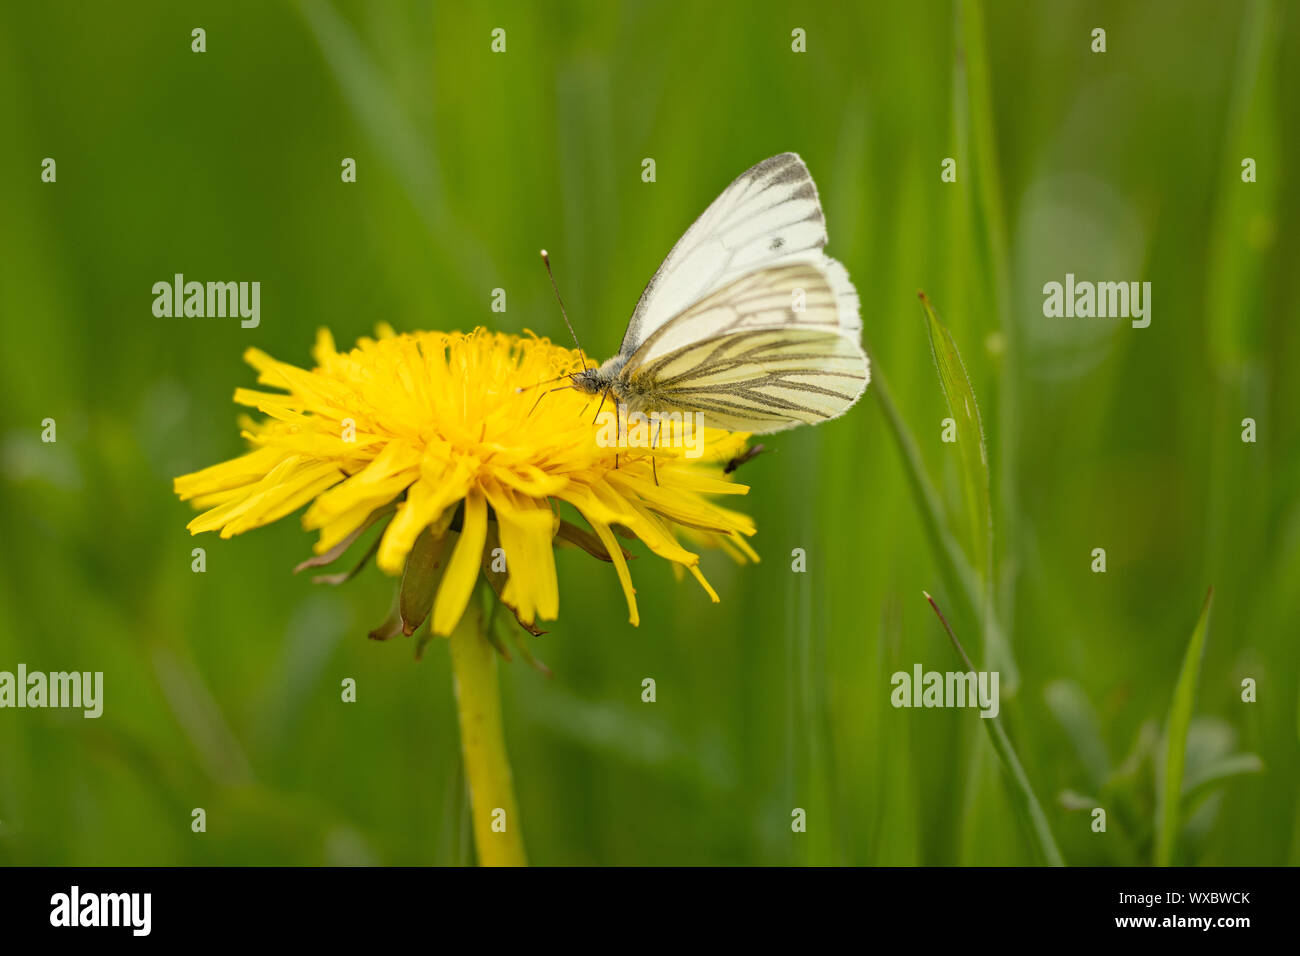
{"x":632,"y":393}
{"x":746,"y":321}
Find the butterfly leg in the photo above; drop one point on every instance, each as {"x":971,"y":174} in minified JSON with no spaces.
{"x":654,"y":462}
{"x":542,"y":396}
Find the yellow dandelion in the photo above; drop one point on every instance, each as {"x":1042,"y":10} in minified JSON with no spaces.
{"x":442,"y":436}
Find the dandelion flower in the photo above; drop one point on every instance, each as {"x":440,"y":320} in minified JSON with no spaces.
{"x":449,"y":441}
{"x":443,"y":437}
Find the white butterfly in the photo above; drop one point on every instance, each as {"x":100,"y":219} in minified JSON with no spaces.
{"x":747,"y":320}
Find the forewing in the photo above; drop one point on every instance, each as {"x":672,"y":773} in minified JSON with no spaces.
{"x":769,"y":214}
{"x":809,"y":292}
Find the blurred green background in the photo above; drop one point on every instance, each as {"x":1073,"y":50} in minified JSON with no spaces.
{"x":222,"y":688}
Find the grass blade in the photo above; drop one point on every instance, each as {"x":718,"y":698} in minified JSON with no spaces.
{"x":964,"y":409}
{"x":962,"y":406}
{"x":958,"y":575}
{"x":1028,"y":803}
{"x":978,"y":84}
{"x":1242,"y":227}
{"x":1175,"y":751}
{"x":976,"y":131}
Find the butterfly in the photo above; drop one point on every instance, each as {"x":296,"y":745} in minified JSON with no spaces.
{"x":747,"y":321}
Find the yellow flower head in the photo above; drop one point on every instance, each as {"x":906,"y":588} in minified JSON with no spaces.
{"x":444,"y":436}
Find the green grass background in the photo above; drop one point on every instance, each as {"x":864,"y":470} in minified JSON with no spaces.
{"x":222,"y":689}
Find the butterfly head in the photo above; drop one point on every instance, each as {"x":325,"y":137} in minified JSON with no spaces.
{"x":598,"y":381}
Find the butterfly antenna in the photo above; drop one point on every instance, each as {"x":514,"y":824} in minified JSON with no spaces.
{"x":547,"y":259}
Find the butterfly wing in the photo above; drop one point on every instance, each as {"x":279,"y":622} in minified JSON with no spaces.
{"x":773,"y":349}
{"x":768,"y":215}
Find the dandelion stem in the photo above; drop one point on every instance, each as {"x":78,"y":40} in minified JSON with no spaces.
{"x":483,"y":745}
